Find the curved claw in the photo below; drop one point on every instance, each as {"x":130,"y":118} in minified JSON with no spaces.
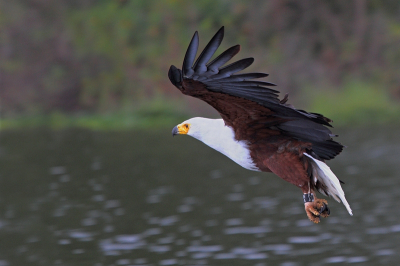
{"x":328,"y":210}
{"x":323,"y":208}
{"x":324,"y":211}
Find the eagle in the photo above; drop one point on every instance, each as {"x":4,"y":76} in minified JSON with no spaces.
{"x":257,"y":130}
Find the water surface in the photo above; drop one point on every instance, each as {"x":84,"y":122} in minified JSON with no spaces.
{"x":78,"y":197}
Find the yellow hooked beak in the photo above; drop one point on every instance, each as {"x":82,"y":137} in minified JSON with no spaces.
{"x":181,"y":129}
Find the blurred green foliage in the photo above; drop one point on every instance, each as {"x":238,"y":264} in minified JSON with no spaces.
{"x":357,"y":103}
{"x":89,"y":59}
{"x":152,"y":113}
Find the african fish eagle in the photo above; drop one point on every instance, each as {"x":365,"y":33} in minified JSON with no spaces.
{"x":257,"y":130}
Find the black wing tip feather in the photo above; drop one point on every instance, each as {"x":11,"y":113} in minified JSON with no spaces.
{"x":190,"y":55}
{"x":221,"y":31}
{"x":223,"y":58}
{"x":237,"y":66}
{"x":200,"y":65}
{"x":188,"y":68}
{"x":175,"y":76}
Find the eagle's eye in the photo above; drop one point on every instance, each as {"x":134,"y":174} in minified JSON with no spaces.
{"x":183,"y":128}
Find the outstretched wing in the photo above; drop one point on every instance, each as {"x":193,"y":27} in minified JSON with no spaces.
{"x":249,"y":106}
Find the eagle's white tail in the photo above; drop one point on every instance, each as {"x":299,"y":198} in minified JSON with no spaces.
{"x":325,"y":175}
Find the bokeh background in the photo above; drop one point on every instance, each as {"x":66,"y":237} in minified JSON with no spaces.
{"x":74,"y":59}
{"x":89,"y":172}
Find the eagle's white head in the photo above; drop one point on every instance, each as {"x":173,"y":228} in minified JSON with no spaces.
{"x":214,"y":133}
{"x":200,"y":128}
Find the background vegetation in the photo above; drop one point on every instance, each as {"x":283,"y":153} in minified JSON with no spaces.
{"x":104,"y":64}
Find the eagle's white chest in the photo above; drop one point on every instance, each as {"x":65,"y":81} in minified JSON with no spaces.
{"x":215,"y":134}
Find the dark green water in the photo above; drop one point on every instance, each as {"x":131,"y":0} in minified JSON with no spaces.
{"x":78,"y":197}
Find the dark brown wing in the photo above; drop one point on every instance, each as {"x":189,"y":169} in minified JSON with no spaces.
{"x":249,"y":106}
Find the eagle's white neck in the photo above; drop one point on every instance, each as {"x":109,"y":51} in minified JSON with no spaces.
{"x":214,"y":133}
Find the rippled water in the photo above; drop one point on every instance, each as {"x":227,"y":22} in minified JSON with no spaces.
{"x":144,"y":198}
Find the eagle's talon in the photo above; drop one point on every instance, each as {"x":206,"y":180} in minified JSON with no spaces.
{"x":325,"y":211}
{"x":316,"y":209}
